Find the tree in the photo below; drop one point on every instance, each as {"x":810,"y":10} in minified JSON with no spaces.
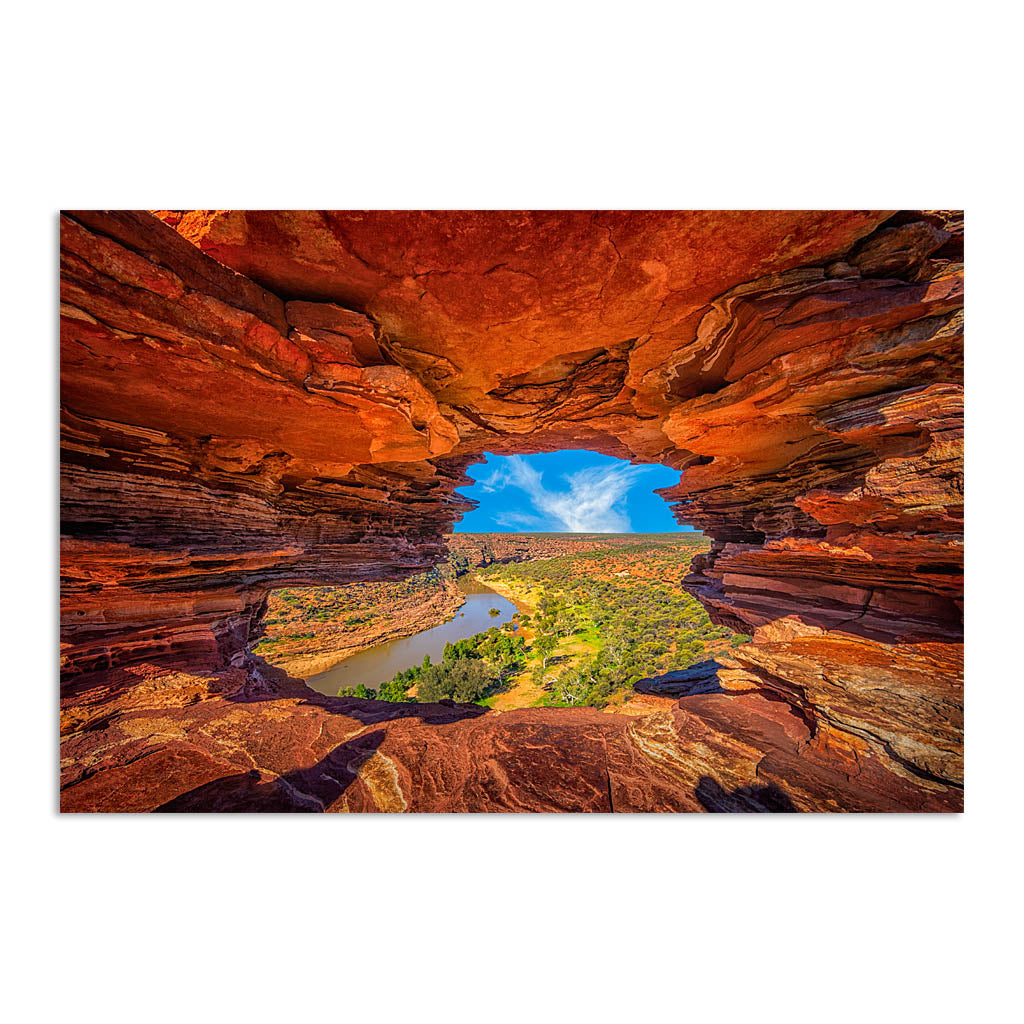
{"x":565,"y":624}
{"x":431,"y":685}
{"x":358,"y":691}
{"x":505,"y":659}
{"x":394,"y":690}
{"x":571,"y":688}
{"x":469,"y":680}
{"x":544,"y":645}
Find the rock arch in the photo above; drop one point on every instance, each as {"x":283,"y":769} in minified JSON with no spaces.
{"x":256,"y":399}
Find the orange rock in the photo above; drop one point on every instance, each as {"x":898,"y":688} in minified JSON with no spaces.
{"x":258,"y":399}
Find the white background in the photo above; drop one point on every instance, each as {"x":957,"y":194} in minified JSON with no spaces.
{"x":475,"y":918}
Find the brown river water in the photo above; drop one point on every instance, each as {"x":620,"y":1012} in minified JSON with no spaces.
{"x":379,"y":664}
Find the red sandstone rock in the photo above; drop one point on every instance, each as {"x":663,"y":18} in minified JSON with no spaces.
{"x":231,"y":743}
{"x":300,"y":409}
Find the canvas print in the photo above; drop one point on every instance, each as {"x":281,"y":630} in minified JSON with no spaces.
{"x":511,"y":511}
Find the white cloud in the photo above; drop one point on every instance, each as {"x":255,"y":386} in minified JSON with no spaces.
{"x":594,"y":502}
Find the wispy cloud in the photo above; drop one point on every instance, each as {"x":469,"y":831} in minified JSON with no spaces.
{"x":593,"y":503}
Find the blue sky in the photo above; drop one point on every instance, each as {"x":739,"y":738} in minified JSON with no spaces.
{"x":567,"y":492}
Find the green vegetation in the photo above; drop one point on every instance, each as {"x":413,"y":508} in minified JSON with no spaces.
{"x":470,"y":671}
{"x":358,"y":603}
{"x":602,"y":620}
{"x":605,"y":619}
{"x":267,"y":645}
{"x":605,"y":612}
{"x":301,"y":621}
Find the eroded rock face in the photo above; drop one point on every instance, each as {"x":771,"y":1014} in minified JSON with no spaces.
{"x":251,"y":400}
{"x":234,"y":741}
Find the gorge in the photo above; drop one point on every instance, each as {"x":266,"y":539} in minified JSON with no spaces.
{"x":267,"y":399}
{"x":378,"y":664}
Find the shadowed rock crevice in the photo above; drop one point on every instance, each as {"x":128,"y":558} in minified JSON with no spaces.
{"x":744,"y":799}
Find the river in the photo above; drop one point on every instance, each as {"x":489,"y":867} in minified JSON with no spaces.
{"x":379,"y":664}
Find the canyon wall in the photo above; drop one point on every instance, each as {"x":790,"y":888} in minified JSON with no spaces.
{"x":259,"y":399}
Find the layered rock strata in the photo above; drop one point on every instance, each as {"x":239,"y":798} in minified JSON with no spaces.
{"x":252,"y":400}
{"x":259,"y":742}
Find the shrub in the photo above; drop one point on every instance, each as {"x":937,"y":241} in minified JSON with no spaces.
{"x":358,"y":691}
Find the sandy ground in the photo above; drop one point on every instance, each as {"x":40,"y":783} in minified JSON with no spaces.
{"x":517,"y":597}
{"x":523,"y":694}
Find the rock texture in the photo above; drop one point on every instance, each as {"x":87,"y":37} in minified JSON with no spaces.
{"x":309,"y":631}
{"x":257,"y":399}
{"x":302,"y":644}
{"x":261,"y":742}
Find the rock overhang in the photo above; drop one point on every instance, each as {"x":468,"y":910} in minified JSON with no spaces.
{"x":254,"y":399}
